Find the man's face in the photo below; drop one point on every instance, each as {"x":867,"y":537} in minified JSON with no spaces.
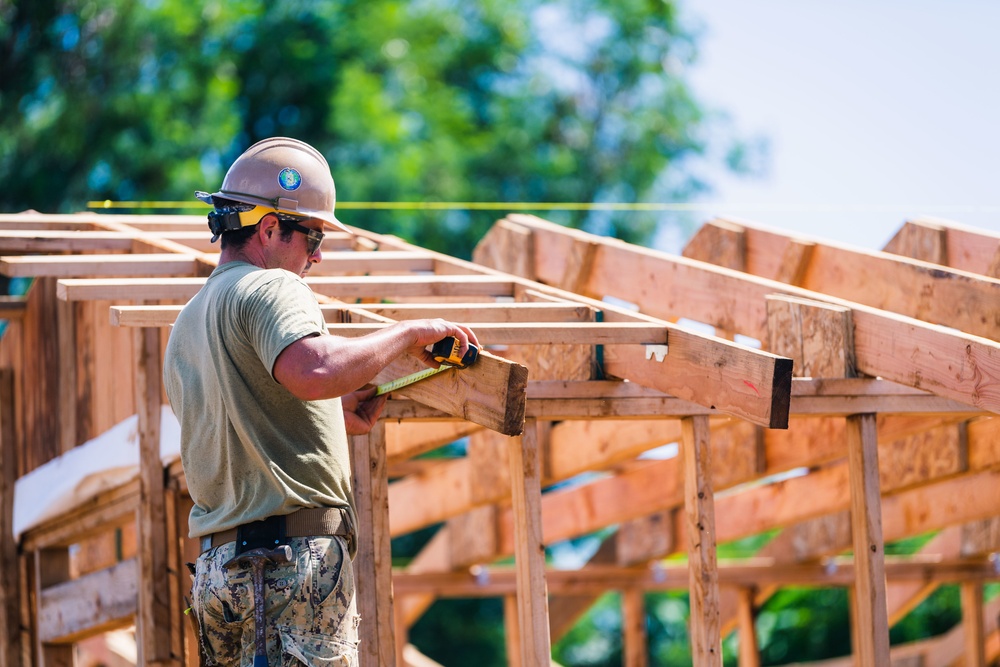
{"x":299,"y":252}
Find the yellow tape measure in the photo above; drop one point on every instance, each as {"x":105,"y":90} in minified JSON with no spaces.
{"x":407,"y":380}
{"x":446,"y":352}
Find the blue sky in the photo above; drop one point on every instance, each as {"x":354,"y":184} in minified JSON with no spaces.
{"x":876,"y":111}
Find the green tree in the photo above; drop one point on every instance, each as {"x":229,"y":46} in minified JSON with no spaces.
{"x":430,"y":100}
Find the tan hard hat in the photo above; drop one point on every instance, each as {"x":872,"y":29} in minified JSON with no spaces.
{"x":285,"y":174}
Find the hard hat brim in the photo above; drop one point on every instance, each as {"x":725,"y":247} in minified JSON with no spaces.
{"x":325,"y":216}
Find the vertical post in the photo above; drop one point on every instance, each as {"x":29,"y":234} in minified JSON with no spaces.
{"x":749,"y":653}
{"x":872,"y":620}
{"x":634,"y":628}
{"x":188,"y":550}
{"x":10,"y":587}
{"x":703,"y":573}
{"x":154,"y":617}
{"x":512,"y":631}
{"x":402,"y":633}
{"x":66,"y":329}
{"x":972,"y":622}
{"x":529,"y":557}
{"x":373,"y":562}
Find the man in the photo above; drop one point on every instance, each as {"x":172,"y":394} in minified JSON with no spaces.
{"x":266,"y":399}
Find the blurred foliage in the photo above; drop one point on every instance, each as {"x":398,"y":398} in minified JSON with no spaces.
{"x":460,"y":632}
{"x":422,"y":100}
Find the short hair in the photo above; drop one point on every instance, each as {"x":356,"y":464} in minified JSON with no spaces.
{"x":238,"y":238}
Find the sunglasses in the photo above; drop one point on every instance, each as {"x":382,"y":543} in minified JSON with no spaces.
{"x":313,"y":237}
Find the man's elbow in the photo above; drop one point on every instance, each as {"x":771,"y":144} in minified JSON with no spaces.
{"x":306,"y":387}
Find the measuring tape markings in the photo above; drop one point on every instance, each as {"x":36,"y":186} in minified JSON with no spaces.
{"x":410,"y":379}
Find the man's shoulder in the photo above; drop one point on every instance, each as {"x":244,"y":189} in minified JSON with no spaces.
{"x":247,"y":277}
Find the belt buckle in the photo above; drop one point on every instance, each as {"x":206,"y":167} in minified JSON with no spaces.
{"x":267,"y":534}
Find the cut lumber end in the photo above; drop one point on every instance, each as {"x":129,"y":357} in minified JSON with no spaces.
{"x":491,"y":392}
{"x":517,"y":399}
{"x":781,"y":392}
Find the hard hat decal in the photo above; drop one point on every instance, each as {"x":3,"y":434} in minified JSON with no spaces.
{"x":289,"y":179}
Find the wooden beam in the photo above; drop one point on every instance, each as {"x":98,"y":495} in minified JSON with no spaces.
{"x":147,"y":242}
{"x":43,"y":240}
{"x":496,"y":581}
{"x":164,"y":315}
{"x":637,"y":492}
{"x":66,"y":326}
{"x":818,"y":337}
{"x":154,"y":617}
{"x":110,"y":509}
{"x":524,"y":333}
{"x":67,"y":266}
{"x":589,"y":507}
{"x":371,"y":262}
{"x":10,"y":586}
{"x":404,"y":440}
{"x":349,"y":287}
{"x":699,"y":508}
{"x":518,"y":311}
{"x":707,"y":355}
{"x":373,"y":562}
{"x":646,"y":538}
{"x":529,"y":557}
{"x":872,"y":643}
{"x":12,"y":307}
{"x":948,"y":243}
{"x":881,"y":280}
{"x":438,"y":286}
{"x":755,"y":388}
{"x":944,"y":361}
{"x":89,"y":605}
{"x":722,"y":244}
{"x":508,"y":247}
{"x":972,"y":621}
{"x":51,"y":568}
{"x":491,"y":392}
{"x":749,"y":653}
{"x":128,"y":289}
{"x":795,"y":261}
{"x":927,"y":242}
{"x":512,"y":631}
{"x":635,"y":644}
{"x":87,"y":219}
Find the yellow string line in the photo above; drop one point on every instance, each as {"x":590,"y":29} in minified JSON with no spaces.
{"x":578,"y":206}
{"x":429,"y":205}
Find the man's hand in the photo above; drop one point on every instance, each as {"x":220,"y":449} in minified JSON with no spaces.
{"x":361,"y":410}
{"x":428,"y":332}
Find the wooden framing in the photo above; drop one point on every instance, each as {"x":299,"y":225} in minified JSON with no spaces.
{"x":861,"y":410}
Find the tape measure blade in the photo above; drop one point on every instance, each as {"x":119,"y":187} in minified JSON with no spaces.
{"x":407,"y":380}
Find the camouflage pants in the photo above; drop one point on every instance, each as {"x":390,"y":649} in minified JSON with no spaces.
{"x":310,"y":609}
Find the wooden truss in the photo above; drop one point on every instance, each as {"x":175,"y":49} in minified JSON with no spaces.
{"x":843,"y":397}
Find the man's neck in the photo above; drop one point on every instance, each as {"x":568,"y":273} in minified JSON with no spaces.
{"x":240,"y":255}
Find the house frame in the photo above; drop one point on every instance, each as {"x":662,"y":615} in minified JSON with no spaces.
{"x":873,"y":375}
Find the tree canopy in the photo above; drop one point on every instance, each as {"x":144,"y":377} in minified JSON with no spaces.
{"x":411,"y":101}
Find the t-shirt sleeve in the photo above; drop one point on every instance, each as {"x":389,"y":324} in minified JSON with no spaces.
{"x":278,"y":313}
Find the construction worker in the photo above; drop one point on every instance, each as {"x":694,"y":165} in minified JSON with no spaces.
{"x":266,"y":399}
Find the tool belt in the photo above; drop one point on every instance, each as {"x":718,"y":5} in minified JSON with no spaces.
{"x":275,"y":530}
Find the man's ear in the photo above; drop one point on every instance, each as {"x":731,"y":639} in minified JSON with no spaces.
{"x":267,"y":228}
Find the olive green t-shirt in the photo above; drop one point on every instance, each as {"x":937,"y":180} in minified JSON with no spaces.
{"x":250,"y":449}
